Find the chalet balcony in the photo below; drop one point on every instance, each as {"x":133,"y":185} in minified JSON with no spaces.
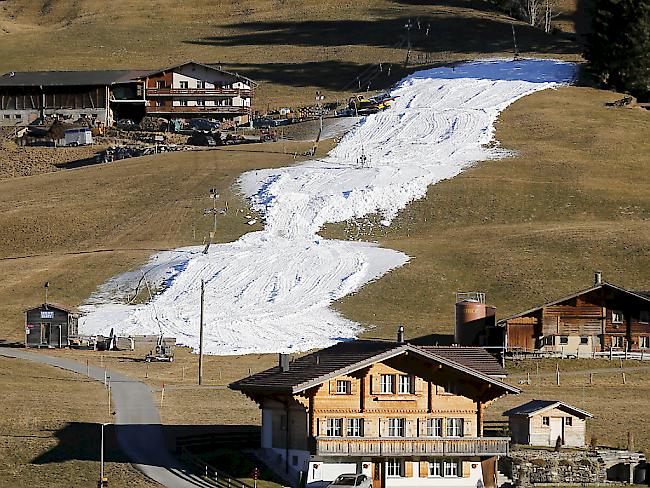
{"x":411,"y":446}
{"x":200,"y":109}
{"x":198,"y":92}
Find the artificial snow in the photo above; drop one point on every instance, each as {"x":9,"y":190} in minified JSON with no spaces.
{"x":270,"y":291}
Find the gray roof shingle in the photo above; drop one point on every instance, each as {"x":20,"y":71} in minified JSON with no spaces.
{"x":535,"y":406}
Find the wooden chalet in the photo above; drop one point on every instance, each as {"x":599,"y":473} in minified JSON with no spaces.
{"x":542,"y":422}
{"x":403,"y":415}
{"x":600,"y":318}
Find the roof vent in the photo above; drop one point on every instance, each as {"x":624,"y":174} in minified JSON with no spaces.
{"x":400,"y":334}
{"x":283,"y":360}
{"x":598,"y":278}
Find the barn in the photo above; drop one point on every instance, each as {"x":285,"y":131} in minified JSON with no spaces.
{"x":50,"y":325}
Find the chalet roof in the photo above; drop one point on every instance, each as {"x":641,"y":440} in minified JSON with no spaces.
{"x":56,"y":306}
{"x":68,"y":78}
{"x":214,"y":67}
{"x":346,"y":357}
{"x":641,"y":295}
{"x":535,"y":407}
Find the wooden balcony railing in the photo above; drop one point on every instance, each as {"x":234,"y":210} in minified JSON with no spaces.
{"x":198,"y":92}
{"x":207,"y":109}
{"x":411,"y":446}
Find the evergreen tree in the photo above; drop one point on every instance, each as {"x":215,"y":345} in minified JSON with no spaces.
{"x":618,"y":49}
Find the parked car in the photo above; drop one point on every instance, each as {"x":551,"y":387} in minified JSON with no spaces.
{"x":201,"y":139}
{"x":351,"y":480}
{"x":204,"y":124}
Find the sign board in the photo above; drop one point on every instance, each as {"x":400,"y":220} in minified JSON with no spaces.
{"x":27,"y":330}
{"x":159,"y":138}
{"x":47,"y":314}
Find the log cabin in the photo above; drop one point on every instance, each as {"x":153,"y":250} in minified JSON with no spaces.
{"x":601,"y":318}
{"x":401,"y":414}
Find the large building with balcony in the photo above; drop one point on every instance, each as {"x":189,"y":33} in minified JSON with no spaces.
{"x":403,"y":415}
{"x":186,"y":90}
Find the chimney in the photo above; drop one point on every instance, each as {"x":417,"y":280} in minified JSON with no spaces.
{"x":283,"y":360}
{"x":598,"y":278}
{"x":400,"y":334}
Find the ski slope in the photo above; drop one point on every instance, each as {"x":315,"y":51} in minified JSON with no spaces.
{"x":270,"y":291}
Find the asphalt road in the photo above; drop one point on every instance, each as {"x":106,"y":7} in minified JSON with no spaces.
{"x":137,"y":422}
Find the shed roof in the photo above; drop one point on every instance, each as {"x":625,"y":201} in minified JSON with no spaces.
{"x":56,"y":306}
{"x":69,"y":78}
{"x":347,"y":357}
{"x":535,"y":407}
{"x":641,"y":295}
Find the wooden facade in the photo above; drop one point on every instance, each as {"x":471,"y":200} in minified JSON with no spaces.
{"x":405,"y":419}
{"x":50,"y":325}
{"x":598,"y":319}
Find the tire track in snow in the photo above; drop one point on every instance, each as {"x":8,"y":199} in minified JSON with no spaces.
{"x":270,"y":291}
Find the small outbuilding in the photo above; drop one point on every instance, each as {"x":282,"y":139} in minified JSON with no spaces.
{"x":541,"y":422}
{"x":50,"y":325}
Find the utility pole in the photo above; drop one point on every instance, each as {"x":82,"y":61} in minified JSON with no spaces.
{"x":46,"y":286}
{"x":408,"y":27}
{"x":201,"y":335}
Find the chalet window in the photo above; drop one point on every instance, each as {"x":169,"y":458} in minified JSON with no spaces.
{"x":434,"y":427}
{"x":451,"y":468}
{"x":160,"y":103}
{"x":617,"y":317}
{"x":644,"y":342}
{"x":160,"y":84}
{"x":184,"y":84}
{"x":644,"y":316}
{"x":435,"y":468}
{"x":568,"y":421}
{"x":455,"y":427}
{"x":584,"y":340}
{"x":546,"y":421}
{"x":617,"y":341}
{"x":564,"y":340}
{"x":200,"y":84}
{"x":549,"y":340}
{"x":394,"y":468}
{"x":200,"y":103}
{"x":343,"y":387}
{"x":18,"y":116}
{"x":334,"y":428}
{"x":183,"y":103}
{"x":355,"y":427}
{"x":396,"y":427}
{"x":404,"y":384}
{"x":387,"y":383}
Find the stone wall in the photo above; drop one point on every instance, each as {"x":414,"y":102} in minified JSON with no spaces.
{"x":530,"y":467}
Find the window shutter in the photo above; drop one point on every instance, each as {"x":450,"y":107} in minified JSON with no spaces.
{"x":418,"y":385}
{"x":408,"y":469}
{"x":466,"y":465}
{"x":354,"y":386}
{"x":467,"y":428}
{"x":424,"y":469}
{"x":371,"y":379}
{"x":332,"y":386}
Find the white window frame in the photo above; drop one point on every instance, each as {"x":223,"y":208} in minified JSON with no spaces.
{"x":451,"y":468}
{"x":405,"y":384}
{"x":434,"y":427}
{"x":160,"y":84}
{"x":183,"y":103}
{"x":617,"y":317}
{"x":435,"y":469}
{"x":394,"y":468}
{"x":355,"y":427}
{"x":334,"y":427}
{"x":387,"y":384}
{"x":184,"y":85}
{"x":343,"y":387}
{"x":564,"y":340}
{"x":568,"y":421}
{"x":396,"y":427}
{"x":644,"y":342}
{"x":455,"y":427}
{"x":200,"y":102}
{"x":546,"y":421}
{"x":618,"y":341}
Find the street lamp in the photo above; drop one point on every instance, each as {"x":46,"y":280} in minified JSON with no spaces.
{"x":102,"y":480}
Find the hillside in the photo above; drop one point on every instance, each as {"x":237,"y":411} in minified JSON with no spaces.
{"x":293,"y":47}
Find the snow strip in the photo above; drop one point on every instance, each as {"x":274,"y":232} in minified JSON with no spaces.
{"x":270,"y":291}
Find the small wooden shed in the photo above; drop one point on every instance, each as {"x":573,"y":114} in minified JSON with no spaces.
{"x":541,"y":422}
{"x":50,"y":325}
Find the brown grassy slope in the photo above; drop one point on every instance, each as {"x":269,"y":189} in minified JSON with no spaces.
{"x":50,"y":430}
{"x":78,"y":228}
{"x":525,"y":229}
{"x":294,"y":47}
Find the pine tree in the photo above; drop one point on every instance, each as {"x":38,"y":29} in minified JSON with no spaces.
{"x":618,"y":49}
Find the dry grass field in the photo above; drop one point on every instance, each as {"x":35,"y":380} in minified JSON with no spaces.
{"x":525,"y":229}
{"x":54,"y":440}
{"x":292,"y":47}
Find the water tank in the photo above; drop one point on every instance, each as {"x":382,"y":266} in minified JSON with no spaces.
{"x":470,"y":321}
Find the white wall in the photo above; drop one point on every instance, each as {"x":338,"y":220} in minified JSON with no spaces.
{"x":319,"y":471}
{"x":475,"y":474}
